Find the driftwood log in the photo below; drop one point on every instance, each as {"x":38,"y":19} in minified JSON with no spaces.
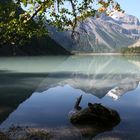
{"x":93,"y":114}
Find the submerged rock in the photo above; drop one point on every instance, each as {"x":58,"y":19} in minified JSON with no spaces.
{"x":29,"y":133}
{"x":25,"y":133}
{"x":3,"y":136}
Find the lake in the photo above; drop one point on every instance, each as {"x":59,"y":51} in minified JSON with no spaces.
{"x":40,"y":92}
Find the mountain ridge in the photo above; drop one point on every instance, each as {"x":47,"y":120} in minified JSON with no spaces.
{"x":104,"y":34}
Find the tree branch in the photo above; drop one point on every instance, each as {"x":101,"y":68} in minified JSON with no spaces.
{"x":37,"y":10}
{"x":77,"y":107}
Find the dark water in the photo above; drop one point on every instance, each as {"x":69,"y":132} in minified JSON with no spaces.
{"x":41,"y":91}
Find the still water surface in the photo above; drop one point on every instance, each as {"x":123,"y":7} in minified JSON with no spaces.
{"x":41,"y":91}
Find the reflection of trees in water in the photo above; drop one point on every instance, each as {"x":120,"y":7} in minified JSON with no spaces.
{"x":16,"y":88}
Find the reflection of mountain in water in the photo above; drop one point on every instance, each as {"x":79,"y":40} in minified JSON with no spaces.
{"x":96,"y":75}
{"x":118,"y":91}
{"x":19,"y":78}
{"x":14,"y":89}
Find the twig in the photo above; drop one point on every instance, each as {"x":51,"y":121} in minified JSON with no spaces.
{"x":77,"y":103}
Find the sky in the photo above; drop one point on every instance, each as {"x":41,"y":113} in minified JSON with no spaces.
{"x":131,"y":7}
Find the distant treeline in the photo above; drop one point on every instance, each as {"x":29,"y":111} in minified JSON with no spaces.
{"x":133,"y":50}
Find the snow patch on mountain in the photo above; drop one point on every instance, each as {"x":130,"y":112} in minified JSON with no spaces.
{"x":124,"y":18}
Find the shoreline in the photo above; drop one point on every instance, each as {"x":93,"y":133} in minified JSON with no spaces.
{"x":75,"y":54}
{"x":107,"y":54}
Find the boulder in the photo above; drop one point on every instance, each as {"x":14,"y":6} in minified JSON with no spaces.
{"x":95,"y":113}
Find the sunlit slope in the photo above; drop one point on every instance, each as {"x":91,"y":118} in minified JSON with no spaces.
{"x":104,"y":34}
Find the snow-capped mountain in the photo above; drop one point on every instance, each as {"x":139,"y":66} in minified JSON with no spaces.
{"x":104,"y":34}
{"x":125,"y":19}
{"x":128,"y":22}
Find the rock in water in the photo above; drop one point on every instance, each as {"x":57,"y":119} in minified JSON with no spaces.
{"x":96,"y":113}
{"x":3,"y":136}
